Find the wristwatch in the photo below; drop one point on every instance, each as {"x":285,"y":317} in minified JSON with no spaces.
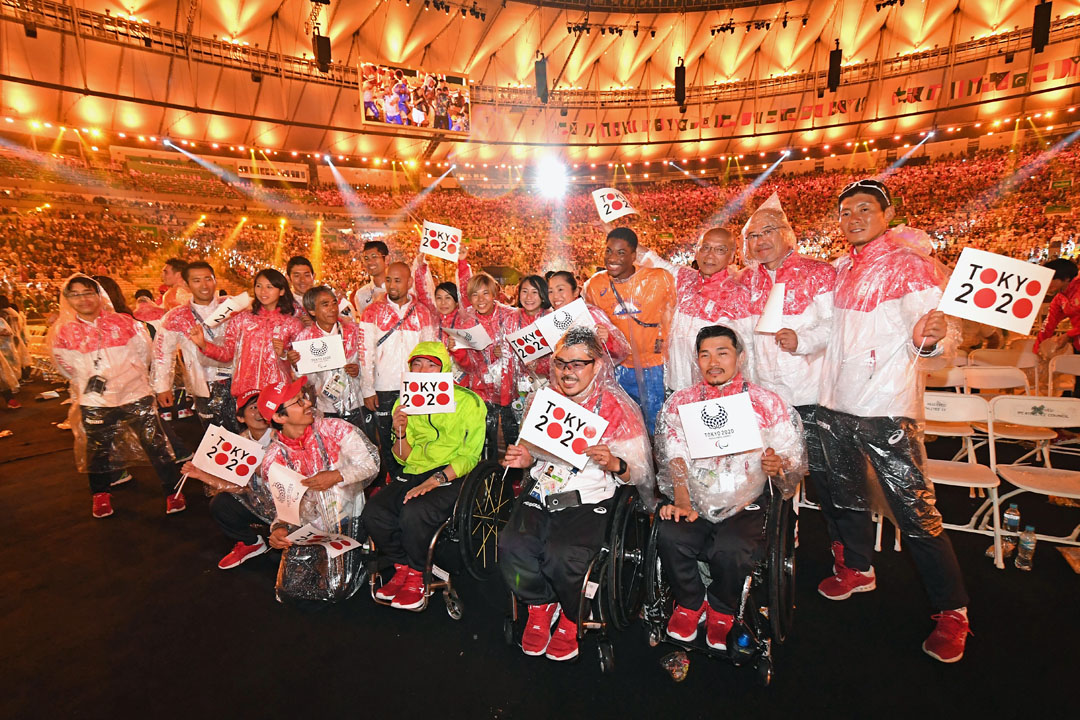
{"x":441,"y":477}
{"x":622,"y":467}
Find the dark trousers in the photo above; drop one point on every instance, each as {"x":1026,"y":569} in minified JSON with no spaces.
{"x":101,"y":425}
{"x":219,"y":408}
{"x":356,"y":418}
{"x":509,"y":428}
{"x":234,"y":519}
{"x":731,"y":548}
{"x":544,"y":555}
{"x":893,"y":447}
{"x":383,"y":420}
{"x":402,"y":531}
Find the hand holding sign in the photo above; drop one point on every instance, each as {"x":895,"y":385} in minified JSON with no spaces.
{"x":475,"y":338}
{"x":529,"y":344}
{"x":427,"y":393}
{"x":722,"y":426}
{"x":287,"y":489}
{"x":227,"y":455}
{"x":335,"y":543}
{"x":562,"y":427}
{"x":228,"y":308}
{"x":612,"y":204}
{"x":996,"y":290}
{"x":325,"y":353}
{"x":442,"y":241}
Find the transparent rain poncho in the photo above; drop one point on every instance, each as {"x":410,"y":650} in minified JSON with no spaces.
{"x":106,"y":363}
{"x":335,"y":390}
{"x":10,"y":359}
{"x":306,"y":571}
{"x":721,"y":486}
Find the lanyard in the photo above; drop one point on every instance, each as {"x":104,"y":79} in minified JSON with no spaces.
{"x":322,"y":452}
{"x":399,"y":324}
{"x":622,"y":304}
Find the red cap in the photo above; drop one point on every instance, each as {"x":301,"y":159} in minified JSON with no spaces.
{"x":272,"y":396}
{"x":430,"y":358}
{"x":244,"y":399}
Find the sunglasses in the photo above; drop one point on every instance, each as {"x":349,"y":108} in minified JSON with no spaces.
{"x":575,"y":365}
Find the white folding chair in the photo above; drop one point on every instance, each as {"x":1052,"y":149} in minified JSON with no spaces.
{"x":949,"y":377}
{"x":946,"y":407}
{"x":1061,"y":365}
{"x":1017,"y":357}
{"x":1007,"y":378}
{"x":1036,"y":412}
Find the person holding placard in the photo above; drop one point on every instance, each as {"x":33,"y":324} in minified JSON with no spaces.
{"x":563,"y":289}
{"x":532,"y":303}
{"x":207,"y":380}
{"x":373,"y":257}
{"x":255,"y":340}
{"x":551,"y":537}
{"x":705,"y":296}
{"x":391,"y":328}
{"x":884,"y":320}
{"x":338,"y":392}
{"x":719,"y":501}
{"x":236,"y":508}
{"x":1065,"y":288}
{"x":105,"y":356}
{"x":337,"y":462}
{"x":640,"y":302}
{"x":434,"y":451}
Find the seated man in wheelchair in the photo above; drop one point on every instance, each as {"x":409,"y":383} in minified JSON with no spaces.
{"x":551,"y":538}
{"x":718,"y":509}
{"x":433,"y":451}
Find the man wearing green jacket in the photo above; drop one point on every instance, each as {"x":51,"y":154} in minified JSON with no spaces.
{"x":435,"y":451}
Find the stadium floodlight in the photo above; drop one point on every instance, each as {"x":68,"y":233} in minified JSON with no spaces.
{"x":551,"y":178}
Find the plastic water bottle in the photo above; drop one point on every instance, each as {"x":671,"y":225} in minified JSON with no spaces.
{"x":1011,"y":521}
{"x":1027,"y":548}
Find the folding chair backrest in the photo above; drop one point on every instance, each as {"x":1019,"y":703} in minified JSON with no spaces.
{"x":995,"y":378}
{"x":947,"y":407}
{"x":1022,"y":343}
{"x":1013,"y":357}
{"x":1036,"y":411}
{"x":946,"y":377}
{"x":1065,"y":365}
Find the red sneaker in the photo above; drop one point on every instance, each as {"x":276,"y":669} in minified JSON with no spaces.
{"x":102,"y":505}
{"x":946,"y":643}
{"x":684,"y":622}
{"x":847,"y":581}
{"x":14,"y":404}
{"x":241,"y":553}
{"x":563,"y":644}
{"x":534,"y":640}
{"x":411,"y":595}
{"x":838,"y":556}
{"x":392,"y":588}
{"x":717,"y":627}
{"x":174,"y":503}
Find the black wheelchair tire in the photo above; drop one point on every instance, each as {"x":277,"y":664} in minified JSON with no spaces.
{"x":483,"y":508}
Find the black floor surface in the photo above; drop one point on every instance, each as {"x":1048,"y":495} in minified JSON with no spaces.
{"x":130,"y":617}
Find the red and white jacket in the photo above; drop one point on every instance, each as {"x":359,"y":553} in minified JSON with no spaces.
{"x":882,"y":289}
{"x":199,"y":369}
{"x":386,"y":350}
{"x":722,"y":486}
{"x":113,"y":346}
{"x":808,"y":310}
{"x":351,"y":397}
{"x":1066,"y":304}
{"x":538,"y":369}
{"x":249,"y":346}
{"x":492,"y":378}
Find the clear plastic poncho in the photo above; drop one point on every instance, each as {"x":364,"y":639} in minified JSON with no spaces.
{"x":10,"y":359}
{"x":115,"y":350}
{"x":335,"y":390}
{"x":721,"y":486}
{"x":306,"y":571}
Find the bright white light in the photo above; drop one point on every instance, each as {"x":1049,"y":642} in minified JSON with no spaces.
{"x":551,"y":178}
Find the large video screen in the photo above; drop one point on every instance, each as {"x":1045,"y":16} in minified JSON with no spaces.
{"x":414,"y":98}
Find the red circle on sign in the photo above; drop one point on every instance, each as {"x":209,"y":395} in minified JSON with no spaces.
{"x":251,"y":460}
{"x":443,"y":386}
{"x":226,"y":446}
{"x":417,"y":400}
{"x":559,"y":413}
{"x":414,"y":386}
{"x":451,"y":248}
{"x":554,"y":430}
{"x":241,"y":470}
{"x":520,"y":341}
{"x":336,"y":544}
{"x":616,"y":205}
{"x":988,"y":275}
{"x":985,"y":298}
{"x":1033,"y":288}
{"x":1022,"y":308}
{"x":589,"y":432}
{"x":578,"y":445}
{"x":432,"y":233}
{"x":611,"y":196}
{"x":221,"y":458}
{"x":530,"y":350}
{"x":443,"y":399}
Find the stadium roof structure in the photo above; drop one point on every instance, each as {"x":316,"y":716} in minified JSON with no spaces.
{"x":242,"y":72}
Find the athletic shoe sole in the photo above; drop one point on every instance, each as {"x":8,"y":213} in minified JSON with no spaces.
{"x":717,"y":646}
{"x":688,"y":638}
{"x":99,"y":517}
{"x":410,"y":606}
{"x":241,"y":561}
{"x":564,"y":658}
{"x":859,"y":589}
{"x":941,"y":659}
{"x":174,"y":510}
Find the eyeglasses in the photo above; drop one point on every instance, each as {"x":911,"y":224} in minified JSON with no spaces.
{"x":299,"y":399}
{"x":765,"y":232}
{"x":575,"y":365}
{"x":79,"y":296}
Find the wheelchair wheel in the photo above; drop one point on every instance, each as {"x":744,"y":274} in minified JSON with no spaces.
{"x":657,"y":607}
{"x":626,"y":570}
{"x":607,"y":656}
{"x":482,"y":510}
{"x":781,"y":578}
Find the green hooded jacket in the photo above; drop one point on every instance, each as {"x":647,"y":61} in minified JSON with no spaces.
{"x":455,"y":439}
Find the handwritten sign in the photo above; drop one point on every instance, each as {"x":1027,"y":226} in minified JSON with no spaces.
{"x":562,"y":427}
{"x":612,"y":204}
{"x":529,"y":344}
{"x":996,"y":290}
{"x":335,"y":543}
{"x":427,"y":393}
{"x":228,"y":308}
{"x":475,"y":337}
{"x":287,"y":491}
{"x":722,"y":426}
{"x":557,"y":322}
{"x":325,"y":353}
{"x":441,"y":241}
{"x":229,"y":456}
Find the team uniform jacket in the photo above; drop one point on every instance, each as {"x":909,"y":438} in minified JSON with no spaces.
{"x":1066,"y":304}
{"x":199,"y":369}
{"x":114,"y":347}
{"x":248,"y":344}
{"x":352,"y":397}
{"x":385,"y":362}
{"x":492,"y":378}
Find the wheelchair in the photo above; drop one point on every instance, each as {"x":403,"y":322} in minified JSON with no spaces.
{"x":767,"y":604}
{"x":467,"y":540}
{"x":614,"y":582}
